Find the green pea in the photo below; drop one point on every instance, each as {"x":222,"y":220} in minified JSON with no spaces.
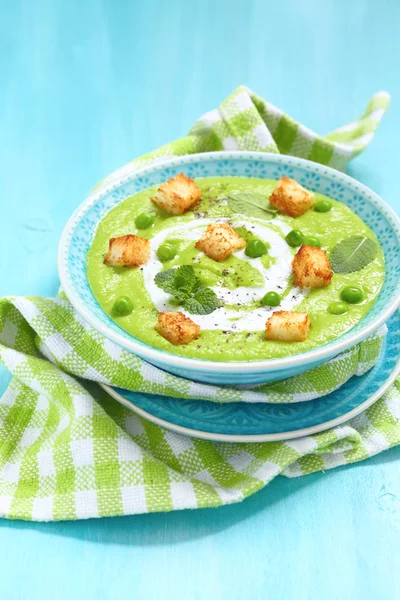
{"x":123,"y":306}
{"x":144,"y":220}
{"x":323,"y":205}
{"x":295,"y":238}
{"x":271,"y":299}
{"x":166,"y":252}
{"x":352,"y":294}
{"x":337,"y":308}
{"x":310,"y":240}
{"x":255,"y":249}
{"x":173,"y":242}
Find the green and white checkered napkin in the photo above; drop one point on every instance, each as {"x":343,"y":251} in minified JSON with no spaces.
{"x":69,"y":451}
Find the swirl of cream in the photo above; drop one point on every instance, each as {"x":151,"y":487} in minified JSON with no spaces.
{"x":276,"y":277}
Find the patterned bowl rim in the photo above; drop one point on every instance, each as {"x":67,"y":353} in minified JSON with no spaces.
{"x":137,"y":347}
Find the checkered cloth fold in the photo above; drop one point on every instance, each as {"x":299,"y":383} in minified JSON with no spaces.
{"x":69,"y":451}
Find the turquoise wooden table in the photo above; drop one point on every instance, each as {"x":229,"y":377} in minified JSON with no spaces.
{"x":85,"y":86}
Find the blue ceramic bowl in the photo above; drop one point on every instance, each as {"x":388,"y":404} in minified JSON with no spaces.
{"x":80,"y":229}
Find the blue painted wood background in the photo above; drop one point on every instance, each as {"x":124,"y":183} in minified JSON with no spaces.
{"x":87,"y":85}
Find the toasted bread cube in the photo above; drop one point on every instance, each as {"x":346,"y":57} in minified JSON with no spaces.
{"x":177,"y":328}
{"x":127,"y":251}
{"x":177,"y":195}
{"x":311,"y":268}
{"x":290,"y":198}
{"x":219,"y":241}
{"x":287,"y":326}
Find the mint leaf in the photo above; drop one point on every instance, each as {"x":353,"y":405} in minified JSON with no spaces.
{"x":353,"y":254}
{"x":185,"y":287}
{"x":203,"y":302}
{"x":186,"y":280}
{"x":251,"y":204}
{"x":179,"y":282}
{"x":165,"y":280}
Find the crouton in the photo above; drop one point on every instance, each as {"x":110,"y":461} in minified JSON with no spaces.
{"x":290,"y":198}
{"x":287,"y":326}
{"x":311,"y":268}
{"x":127,"y":251}
{"x":219,"y":241}
{"x":177,"y":195}
{"x":177,"y":328}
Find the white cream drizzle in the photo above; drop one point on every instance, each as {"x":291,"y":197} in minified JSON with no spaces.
{"x":275,"y":277}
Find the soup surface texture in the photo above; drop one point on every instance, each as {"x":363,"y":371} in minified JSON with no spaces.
{"x":236,"y":330}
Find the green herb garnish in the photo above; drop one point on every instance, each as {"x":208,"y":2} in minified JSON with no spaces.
{"x":251,"y":204}
{"x":202,"y":302}
{"x":353,"y":254}
{"x":184,"y":285}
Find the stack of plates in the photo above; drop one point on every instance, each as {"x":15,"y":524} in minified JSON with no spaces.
{"x":243,"y":422}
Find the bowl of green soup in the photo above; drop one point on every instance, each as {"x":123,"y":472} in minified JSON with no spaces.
{"x":232,"y":268}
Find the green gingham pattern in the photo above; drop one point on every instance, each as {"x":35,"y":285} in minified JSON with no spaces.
{"x":69,"y":451}
{"x":83,"y":352}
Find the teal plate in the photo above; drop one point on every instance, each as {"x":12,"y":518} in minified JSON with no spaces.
{"x":242,"y":422}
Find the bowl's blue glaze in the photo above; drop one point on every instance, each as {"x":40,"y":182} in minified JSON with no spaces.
{"x":79,"y":231}
{"x":232,"y":377}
